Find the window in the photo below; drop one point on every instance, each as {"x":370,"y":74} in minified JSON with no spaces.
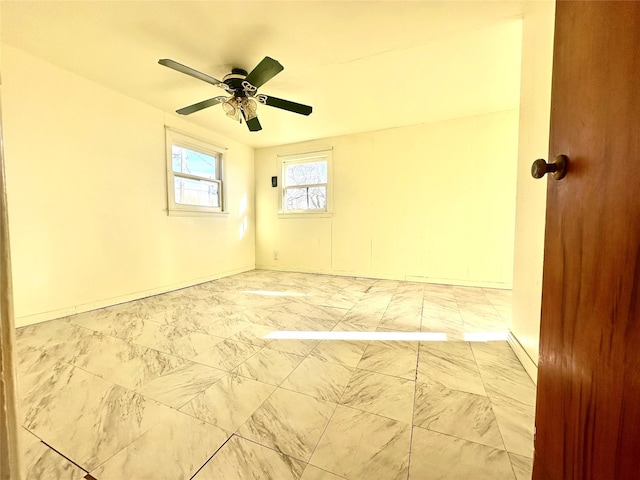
{"x":194,"y":175}
{"x":306,"y":183}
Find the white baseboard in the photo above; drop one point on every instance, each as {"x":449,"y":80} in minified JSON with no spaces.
{"x":382,"y":276}
{"x":459,"y":282}
{"x":25,"y":320}
{"x":526,"y":361}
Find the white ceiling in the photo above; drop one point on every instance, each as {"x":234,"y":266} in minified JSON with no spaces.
{"x":363,"y":66}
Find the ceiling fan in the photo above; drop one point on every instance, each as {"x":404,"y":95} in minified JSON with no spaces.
{"x":243,"y":90}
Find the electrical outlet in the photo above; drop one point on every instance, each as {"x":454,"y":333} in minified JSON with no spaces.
{"x":275,"y":254}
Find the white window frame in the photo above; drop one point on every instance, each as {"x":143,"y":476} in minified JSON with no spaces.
{"x":305,"y":157}
{"x":185,"y":140}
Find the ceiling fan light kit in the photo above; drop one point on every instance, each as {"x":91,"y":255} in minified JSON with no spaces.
{"x":243,"y":89}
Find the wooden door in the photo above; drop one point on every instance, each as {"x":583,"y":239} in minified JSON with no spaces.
{"x":588,"y":404}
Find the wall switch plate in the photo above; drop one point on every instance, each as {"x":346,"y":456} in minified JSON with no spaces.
{"x":274,"y":181}
{"x":275,"y":255}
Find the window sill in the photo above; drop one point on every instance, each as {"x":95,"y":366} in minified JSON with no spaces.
{"x":194,"y":213}
{"x":305,"y":215}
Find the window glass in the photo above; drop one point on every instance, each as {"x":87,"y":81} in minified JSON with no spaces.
{"x":189,"y":161}
{"x":307,"y":173}
{"x":196,"y":192}
{"x":318,"y":197}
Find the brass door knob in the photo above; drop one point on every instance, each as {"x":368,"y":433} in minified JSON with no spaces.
{"x":557,"y":168}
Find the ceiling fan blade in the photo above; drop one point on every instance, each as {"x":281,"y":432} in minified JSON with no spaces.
{"x":253,"y":124}
{"x":190,"y":71}
{"x":287,"y":105}
{"x":264,"y":71}
{"x":200,"y":105}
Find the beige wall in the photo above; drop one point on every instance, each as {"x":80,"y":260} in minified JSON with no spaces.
{"x":87,"y":197}
{"x":535,"y":105}
{"x":432,"y":202}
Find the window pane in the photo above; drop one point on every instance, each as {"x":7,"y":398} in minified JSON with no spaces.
{"x":306,"y":173}
{"x":318,"y":198}
{"x":296,"y":199}
{"x":310,"y":198}
{"x":184,"y":160}
{"x":196,"y":192}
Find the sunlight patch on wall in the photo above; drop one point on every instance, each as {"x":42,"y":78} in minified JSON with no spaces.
{"x":242,"y":229}
{"x":242,"y":207}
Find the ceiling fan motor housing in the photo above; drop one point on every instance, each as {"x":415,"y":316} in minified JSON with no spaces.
{"x":234,"y":81}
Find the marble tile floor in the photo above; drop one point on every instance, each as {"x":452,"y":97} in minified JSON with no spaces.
{"x":277,"y":376}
